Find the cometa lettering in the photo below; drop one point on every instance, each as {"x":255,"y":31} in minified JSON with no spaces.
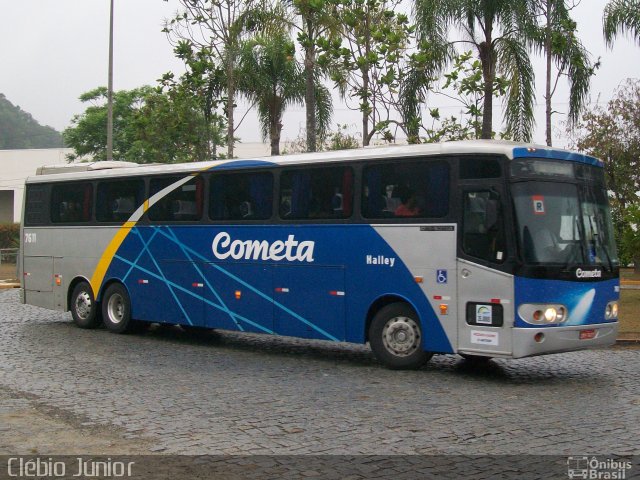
{"x":588,"y":273}
{"x":292,"y":250}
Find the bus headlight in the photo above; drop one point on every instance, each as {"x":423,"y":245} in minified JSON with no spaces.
{"x":550,"y":315}
{"x":541,"y":314}
{"x":611,"y":311}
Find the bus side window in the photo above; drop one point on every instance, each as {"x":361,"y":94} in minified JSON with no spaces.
{"x":116,"y":200}
{"x":183,"y":203}
{"x":319,"y":193}
{"x":482,"y":226}
{"x":241,"y":196}
{"x":71,"y":203}
{"x":406,"y":190}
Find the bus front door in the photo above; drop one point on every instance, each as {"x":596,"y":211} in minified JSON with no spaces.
{"x":485,"y":294}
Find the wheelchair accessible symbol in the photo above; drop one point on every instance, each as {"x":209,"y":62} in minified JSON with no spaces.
{"x":441,"y":276}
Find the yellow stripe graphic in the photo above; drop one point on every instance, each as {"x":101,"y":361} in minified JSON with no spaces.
{"x":107,"y":256}
{"x":116,"y":241}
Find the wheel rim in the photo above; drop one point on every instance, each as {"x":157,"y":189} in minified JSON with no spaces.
{"x":116,"y":308}
{"x":83,"y":305}
{"x":401,"y":336}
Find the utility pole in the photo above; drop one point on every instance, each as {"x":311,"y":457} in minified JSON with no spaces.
{"x":110,"y":90}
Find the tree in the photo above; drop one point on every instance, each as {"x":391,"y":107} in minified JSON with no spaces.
{"x":375,"y":41}
{"x":621,"y":16}
{"x":202,"y":86}
{"x":273,"y":79}
{"x":466,"y":82}
{"x":496,"y":29}
{"x":556,"y":38}
{"x":87,"y":134}
{"x":151,"y":125}
{"x":172,"y":127}
{"x":317,"y":20}
{"x":613,"y":134}
{"x":217,"y":28}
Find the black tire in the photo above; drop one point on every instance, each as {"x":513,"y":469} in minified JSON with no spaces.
{"x":116,"y":309}
{"x":395,"y":337}
{"x":84,"y":309}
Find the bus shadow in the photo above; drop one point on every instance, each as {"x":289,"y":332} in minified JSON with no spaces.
{"x":264,"y":344}
{"x":540,"y":371}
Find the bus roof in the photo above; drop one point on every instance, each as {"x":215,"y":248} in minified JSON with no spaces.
{"x":509,"y":149}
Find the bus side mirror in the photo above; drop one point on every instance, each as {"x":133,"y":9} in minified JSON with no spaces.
{"x":491,"y":214}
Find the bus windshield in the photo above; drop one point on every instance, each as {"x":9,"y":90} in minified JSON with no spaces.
{"x":564,"y":223}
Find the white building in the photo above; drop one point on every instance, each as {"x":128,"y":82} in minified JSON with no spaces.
{"x":17,"y":165}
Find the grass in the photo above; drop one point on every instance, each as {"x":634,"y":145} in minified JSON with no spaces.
{"x":8,"y":271}
{"x":629,"y":311}
{"x":629,"y":274}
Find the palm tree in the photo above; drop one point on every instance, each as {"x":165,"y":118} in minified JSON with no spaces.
{"x":621,"y":16}
{"x":273,"y":79}
{"x":215,"y":31}
{"x":496,"y":31}
{"x":317,"y":20}
{"x":557,"y":40}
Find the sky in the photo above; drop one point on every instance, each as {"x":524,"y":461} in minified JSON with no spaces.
{"x":52,"y":51}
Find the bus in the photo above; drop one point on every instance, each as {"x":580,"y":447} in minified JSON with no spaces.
{"x":480,"y":248}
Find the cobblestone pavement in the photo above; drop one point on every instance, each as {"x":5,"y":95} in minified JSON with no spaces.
{"x":226,"y":393}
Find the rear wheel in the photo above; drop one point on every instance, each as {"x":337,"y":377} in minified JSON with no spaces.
{"x":84,"y":309}
{"x":116,"y":309}
{"x":395,"y":337}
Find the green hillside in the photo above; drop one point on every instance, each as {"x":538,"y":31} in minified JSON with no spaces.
{"x":18,"y":129}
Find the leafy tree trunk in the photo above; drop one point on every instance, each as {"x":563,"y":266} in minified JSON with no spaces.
{"x":488,"y":76}
{"x":275,"y":127}
{"x":365,"y":113}
{"x":365,"y":85}
{"x":310,"y":91}
{"x":231,"y":93}
{"x":547,"y":94}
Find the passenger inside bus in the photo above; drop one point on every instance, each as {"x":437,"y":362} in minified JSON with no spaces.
{"x":409,"y":204}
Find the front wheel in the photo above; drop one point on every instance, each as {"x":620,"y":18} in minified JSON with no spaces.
{"x":395,"y":337}
{"x":84,"y":309}
{"x":116,"y":309}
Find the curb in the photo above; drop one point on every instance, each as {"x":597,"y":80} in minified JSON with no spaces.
{"x":630,"y":338}
{"x":4,"y":285}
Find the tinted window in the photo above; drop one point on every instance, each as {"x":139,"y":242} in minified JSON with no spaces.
{"x":241,"y":196}
{"x":401,"y":190}
{"x":482,"y":228}
{"x":36,"y":205}
{"x":71,"y":202}
{"x":320,"y":193}
{"x":182,"y":203}
{"x":477,"y":167}
{"x":117,"y":200}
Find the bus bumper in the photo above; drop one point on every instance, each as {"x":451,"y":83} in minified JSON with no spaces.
{"x":562,"y":339}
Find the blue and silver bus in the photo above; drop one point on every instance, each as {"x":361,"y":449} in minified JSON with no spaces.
{"x":481,"y":248}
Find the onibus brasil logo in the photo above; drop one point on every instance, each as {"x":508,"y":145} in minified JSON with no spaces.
{"x":593,"y":468}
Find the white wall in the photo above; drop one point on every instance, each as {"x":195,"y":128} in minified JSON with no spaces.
{"x":17,"y":165}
